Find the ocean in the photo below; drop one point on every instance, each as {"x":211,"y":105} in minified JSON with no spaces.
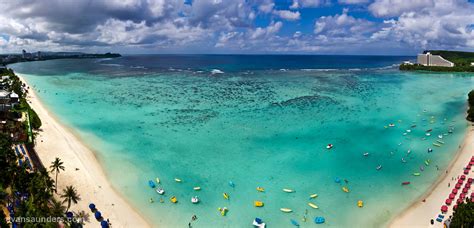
{"x":260,"y":121}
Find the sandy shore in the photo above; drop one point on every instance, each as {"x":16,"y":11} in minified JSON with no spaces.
{"x":420,"y":213}
{"x":83,"y":171}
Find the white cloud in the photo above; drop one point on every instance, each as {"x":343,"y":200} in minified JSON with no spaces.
{"x":353,"y":1}
{"x":393,"y":8}
{"x":308,"y":3}
{"x":266,"y":6}
{"x":343,"y":25}
{"x":287,"y":15}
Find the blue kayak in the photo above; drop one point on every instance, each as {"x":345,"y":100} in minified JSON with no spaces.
{"x":151,"y":184}
{"x":319,"y":220}
{"x":294,"y":222}
{"x":337,"y":180}
{"x":231,"y":184}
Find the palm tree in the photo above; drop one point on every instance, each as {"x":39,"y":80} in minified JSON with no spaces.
{"x":70,"y":195}
{"x":57,"y":166}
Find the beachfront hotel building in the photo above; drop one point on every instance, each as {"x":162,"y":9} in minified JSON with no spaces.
{"x":428,"y":59}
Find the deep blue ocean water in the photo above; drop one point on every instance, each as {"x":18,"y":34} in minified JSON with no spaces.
{"x":264,"y":122}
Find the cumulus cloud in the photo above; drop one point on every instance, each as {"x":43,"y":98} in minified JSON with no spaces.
{"x":287,"y":14}
{"x":393,"y":8}
{"x":353,"y":1}
{"x":343,"y":25}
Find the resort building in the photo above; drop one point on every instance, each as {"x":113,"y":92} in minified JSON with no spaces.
{"x":433,"y":60}
{"x":8,"y":100}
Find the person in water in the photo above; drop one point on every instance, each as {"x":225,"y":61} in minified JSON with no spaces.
{"x":194,"y":218}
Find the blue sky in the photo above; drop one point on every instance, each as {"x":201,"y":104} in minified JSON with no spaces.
{"x":363,"y":27}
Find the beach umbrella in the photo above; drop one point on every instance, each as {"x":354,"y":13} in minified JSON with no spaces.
{"x":472,"y":195}
{"x":468,"y":167}
{"x":69,"y":214}
{"x":464,"y":190}
{"x":469,"y":180}
{"x":468,"y":186}
{"x":455,"y":191}
{"x":466,"y":171}
{"x":97,"y":215}
{"x":472,"y":199}
{"x":444,"y":208}
{"x":448,"y":201}
{"x":463,"y":177}
{"x":452,"y":196}
{"x":460,"y":181}
{"x":459,"y":201}
{"x":455,"y":207}
{"x":471,"y":163}
{"x":104,"y":224}
{"x":92,"y":206}
{"x":458,"y":186}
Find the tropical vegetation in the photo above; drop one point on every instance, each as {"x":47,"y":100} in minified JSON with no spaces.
{"x":463,"y":215}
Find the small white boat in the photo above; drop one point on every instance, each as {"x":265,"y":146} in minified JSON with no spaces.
{"x":312,"y":196}
{"x":177,"y":180}
{"x":195,"y":200}
{"x":366,"y":154}
{"x":379,"y":167}
{"x":258,"y":223}
{"x":329,"y":146}
{"x":197,"y":188}
{"x":288,"y":190}
{"x":286,"y":210}
{"x":391,"y":125}
{"x":160,"y":191}
{"x":440,"y":136}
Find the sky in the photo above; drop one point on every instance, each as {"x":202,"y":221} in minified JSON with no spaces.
{"x":358,"y":27}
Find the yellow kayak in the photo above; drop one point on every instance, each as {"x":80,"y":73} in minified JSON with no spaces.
{"x":157,"y":180}
{"x":360,"y":203}
{"x":258,"y":203}
{"x":313,"y":205}
{"x":288,"y":190}
{"x":312,"y":196}
{"x":223,"y":210}
{"x":260,"y":189}
{"x":345,"y":189}
{"x":173,"y":199}
{"x":177,"y":180}
{"x":226,"y":196}
{"x":286,"y":210}
{"x":197,"y":188}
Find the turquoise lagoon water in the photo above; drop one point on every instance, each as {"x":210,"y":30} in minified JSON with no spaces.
{"x":259,"y":127}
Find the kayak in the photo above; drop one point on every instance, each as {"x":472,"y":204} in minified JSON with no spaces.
{"x":416,"y":174}
{"x":177,"y":180}
{"x":173,"y":199}
{"x":294,"y":222}
{"x":360,"y":203}
{"x":313,"y":205}
{"x":260,"y":189}
{"x":288,"y":190}
{"x":226,"y":196}
{"x":223,"y":210}
{"x":319,"y":220}
{"x":231,"y":184}
{"x":157,"y":180}
{"x":258,"y":203}
{"x":436,"y":144}
{"x":286,"y":210}
{"x":197,"y":188}
{"x":345,"y":189}
{"x":427,"y":162}
{"x":406,"y":183}
{"x":312,"y":196}
{"x":151,"y":184}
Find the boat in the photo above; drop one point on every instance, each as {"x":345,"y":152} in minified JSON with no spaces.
{"x":403,"y":160}
{"x":197,"y":188}
{"x":260,"y":189}
{"x":294,"y":222}
{"x":422,"y":168}
{"x":312,"y":196}
{"x":257,"y":222}
{"x":258,"y":203}
{"x":427,"y":162}
{"x":288,"y":190}
{"x":440,"y":136}
{"x":177,"y":180}
{"x":416,"y":174}
{"x":436,"y":144}
{"x":439,"y":141}
{"x":173,"y":199}
{"x":391,"y":125}
{"x":157,"y":180}
{"x":379,"y":167}
{"x":429,"y":130}
{"x":406,"y":183}
{"x":408,"y":131}
{"x":366,"y":154}
{"x":360,"y":203}
{"x":329,"y":146}
{"x":226,"y":196}
{"x":223,"y":210}
{"x":231,"y":184}
{"x":319,"y":220}
{"x":286,"y":210}
{"x":151,"y":184}
{"x":430,"y":150}
{"x":313,"y":205}
{"x":427,"y":134}
{"x":194,"y":199}
{"x":160,"y":191}
{"x":345,"y":189}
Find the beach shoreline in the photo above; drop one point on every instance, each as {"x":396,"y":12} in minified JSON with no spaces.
{"x":419,"y":213}
{"x":83,"y":170}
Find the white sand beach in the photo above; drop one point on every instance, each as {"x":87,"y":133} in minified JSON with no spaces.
{"x":420,"y":213}
{"x":83,"y":171}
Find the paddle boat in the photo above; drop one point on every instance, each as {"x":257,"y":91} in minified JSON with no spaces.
{"x":294,"y":222}
{"x":160,"y":191}
{"x":173,"y":199}
{"x":313,"y":205}
{"x":366,"y":154}
{"x":406,"y":183}
{"x":223,"y":210}
{"x":329,"y":146}
{"x":416,"y":174}
{"x":194,"y":199}
{"x":258,"y":203}
{"x":257,"y":222}
{"x":197,"y":188}
{"x":157,"y":180}
{"x":360,"y":203}
{"x":312,"y":196}
{"x":379,"y":167}
{"x":430,"y":150}
{"x":151,"y":184}
{"x":231,"y":184}
{"x":260,"y":189}
{"x":391,"y":125}
{"x":286,"y":210}
{"x":177,"y":180}
{"x":345,"y":189}
{"x":288,"y":190}
{"x":319,"y":220}
{"x":226,"y":196}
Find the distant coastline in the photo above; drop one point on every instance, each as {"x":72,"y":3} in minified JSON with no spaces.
{"x":39,"y":56}
{"x":443,"y":61}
